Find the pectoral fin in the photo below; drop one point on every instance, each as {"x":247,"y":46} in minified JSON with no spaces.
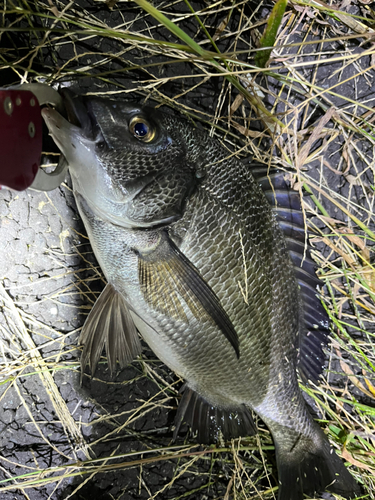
{"x":109,"y":325}
{"x":169,"y":280}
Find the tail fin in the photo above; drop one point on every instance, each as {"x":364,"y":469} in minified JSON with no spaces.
{"x":311,"y":468}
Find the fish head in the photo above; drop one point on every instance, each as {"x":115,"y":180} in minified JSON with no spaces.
{"x":129,"y":163}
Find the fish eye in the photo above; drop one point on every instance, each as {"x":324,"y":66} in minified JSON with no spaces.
{"x":141,"y":129}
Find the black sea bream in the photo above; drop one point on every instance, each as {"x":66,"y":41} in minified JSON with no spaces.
{"x":196,"y":261}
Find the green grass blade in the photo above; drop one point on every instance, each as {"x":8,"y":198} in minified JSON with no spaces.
{"x":269,"y":36}
{"x":159,"y":16}
{"x":268,"y":118}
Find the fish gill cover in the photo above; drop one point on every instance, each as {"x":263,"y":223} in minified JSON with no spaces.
{"x":309,"y":110}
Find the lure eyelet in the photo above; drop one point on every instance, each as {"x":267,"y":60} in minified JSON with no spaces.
{"x":141,"y":129}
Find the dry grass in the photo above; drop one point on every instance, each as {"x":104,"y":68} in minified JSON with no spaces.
{"x":311,"y":109}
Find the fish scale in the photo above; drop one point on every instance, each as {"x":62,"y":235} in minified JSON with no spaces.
{"x":177,"y":227}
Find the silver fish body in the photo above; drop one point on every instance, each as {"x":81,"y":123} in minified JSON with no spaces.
{"x":196,"y":261}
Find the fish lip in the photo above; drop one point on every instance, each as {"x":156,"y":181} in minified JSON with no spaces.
{"x":80,"y":114}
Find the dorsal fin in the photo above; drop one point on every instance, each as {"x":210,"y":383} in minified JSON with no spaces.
{"x":287,"y":206}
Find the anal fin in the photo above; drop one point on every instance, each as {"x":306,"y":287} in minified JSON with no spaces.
{"x":211,"y":423}
{"x":110,"y":326}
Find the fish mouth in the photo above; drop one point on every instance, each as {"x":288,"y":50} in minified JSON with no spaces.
{"x":79,"y":113}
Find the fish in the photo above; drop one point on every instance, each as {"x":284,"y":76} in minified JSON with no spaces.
{"x":205,"y":256}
